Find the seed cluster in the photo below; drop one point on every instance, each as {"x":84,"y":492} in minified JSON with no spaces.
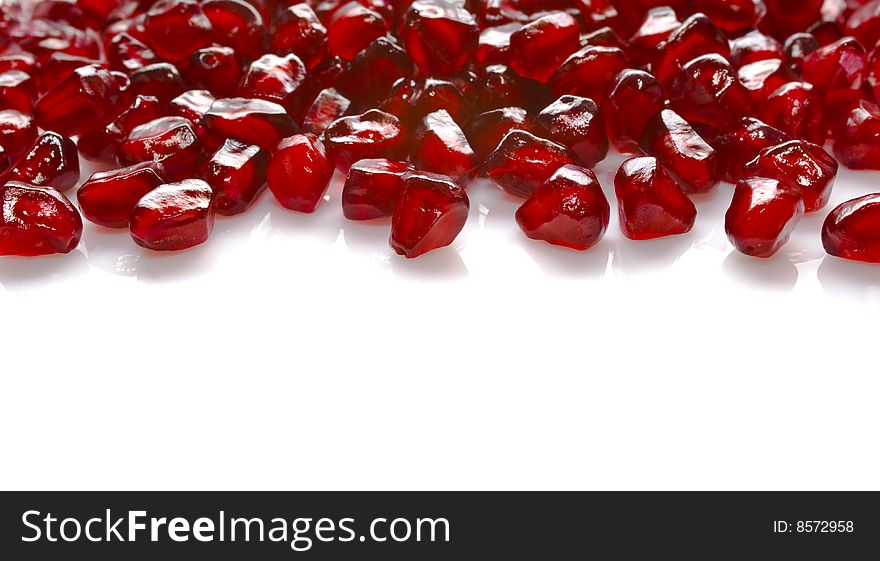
{"x":198,"y":106}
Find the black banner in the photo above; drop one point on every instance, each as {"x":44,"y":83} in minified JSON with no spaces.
{"x":455,"y":525}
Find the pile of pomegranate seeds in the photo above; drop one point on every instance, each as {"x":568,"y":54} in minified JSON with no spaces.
{"x":196,"y":107}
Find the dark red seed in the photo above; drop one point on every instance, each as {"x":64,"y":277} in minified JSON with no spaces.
{"x":678,"y":147}
{"x":539,"y":47}
{"x":236,"y":24}
{"x":763,"y":77}
{"x":439,"y":36}
{"x":742,"y":143}
{"x":658,"y":23}
{"x":864,"y":22}
{"x":838,"y":66}
{"x":17,"y":132}
{"x":300,"y":172}
{"x":26,"y":62}
{"x":431,"y":212}
{"x":297,"y":30}
{"x":162,"y":81}
{"x":799,"y":165}
{"x":18,"y":91}
{"x":707,"y":91}
{"x":852,"y":230}
{"x":796,"y":108}
{"x":215,"y":69}
{"x":486,"y":130}
{"x":176,"y":28}
{"x":494,"y":44}
{"x":762,"y":215}
{"x":372,"y":188}
{"x":754,"y":46}
{"x":252,"y":121}
{"x":697,"y":36}
{"x":173,"y":216}
{"x":352,"y":28}
{"x":108,"y":197}
{"x":797,"y":48}
{"x":327,"y":107}
{"x":60,"y":66}
{"x":731,"y":16}
{"x":522,"y":161}
{"x":237,"y":175}
{"x":650,"y":201}
{"x":858,"y":146}
{"x":791,"y":16}
{"x":37,"y":221}
{"x":374,"y":134}
{"x":169,"y":140}
{"x":635,"y":96}
{"x":192,"y":105}
{"x":575,"y":122}
{"x":375,"y":70}
{"x":51,"y":161}
{"x":589,"y":72}
{"x":440,"y":146}
{"x":102,"y":144}
{"x":127,"y":53}
{"x":90,"y":96}
{"x":568,"y":209}
{"x":499,"y":87}
{"x":281,"y":80}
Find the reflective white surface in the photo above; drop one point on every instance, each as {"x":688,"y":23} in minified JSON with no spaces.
{"x":297,"y":351}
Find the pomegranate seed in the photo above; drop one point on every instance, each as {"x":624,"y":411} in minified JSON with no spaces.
{"x":372,"y":188}
{"x":17,"y":132}
{"x":327,"y":107}
{"x":37,"y":221}
{"x":754,"y":46}
{"x":707,"y":91}
{"x":858,"y":147}
{"x":90,"y":95}
{"x":51,"y":161}
{"x":26,"y":62}
{"x":374,"y":134}
{"x":177,"y":28}
{"x":102,"y":144}
{"x":852,"y":230}
{"x":60,"y":66}
{"x":439,"y":36}
{"x":575,"y":122}
{"x":742,"y":143}
{"x":732,"y":16}
{"x":589,"y":72}
{"x":494,"y":44}
{"x":864,"y":22}
{"x":678,"y":147}
{"x":237,"y":176}
{"x":791,"y":16}
{"x":17,"y":91}
{"x":658,"y":23}
{"x":128,"y":54}
{"x":762,"y":215}
{"x":696,"y":36}
{"x":826,"y":32}
{"x":487,"y":129}
{"x":173,"y":216}
{"x":170,"y":140}
{"x":300,"y":172}
{"x":191,"y":105}
{"x":650,"y":202}
{"x":838,"y":66}
{"x":440,"y":146}
{"x":277,"y":79}
{"x":568,"y":209}
{"x":297,"y":30}
{"x":376,"y":68}
{"x":522,"y":161}
{"x":797,"y":48}
{"x":799,"y":165}
{"x":352,"y":28}
{"x":762,"y":78}
{"x":162,"y":81}
{"x":236,"y":24}
{"x":540,"y":47}
{"x":108,"y":197}
{"x":797,"y":109}
{"x":431,"y":212}
{"x":634,"y":97}
{"x":251,"y":121}
{"x":215,"y":69}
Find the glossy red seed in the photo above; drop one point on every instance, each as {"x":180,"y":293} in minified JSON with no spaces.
{"x":191,"y":105}
{"x":17,"y":132}
{"x":37,"y":221}
{"x":754,"y":46}
{"x":697,"y":36}
{"x":707,"y":91}
{"x":522,"y":161}
{"x":656,"y":27}
{"x":374,"y":134}
{"x":796,"y":108}
{"x":542,"y":45}
{"x":431,"y":212}
{"x":762,"y":215}
{"x":678,"y":147}
{"x":742,"y":143}
{"x":89,"y":96}
{"x":236,"y":24}
{"x":568,"y":209}
{"x":635,"y":96}
{"x":127,"y":53}
{"x":763,"y":77}
{"x":486,"y":130}
{"x":252,"y":121}
{"x":650,"y":201}
{"x":215,"y":69}
{"x":603,"y":37}
{"x":173,"y":216}
{"x":162,"y":81}
{"x":852,"y":230}
{"x":575,"y":122}
{"x":281,"y":80}
{"x":51,"y":161}
{"x":26,"y":62}
{"x":440,"y":146}
{"x":237,"y":175}
{"x":352,"y":28}
{"x":589,"y":72}
{"x":439,"y":36}
{"x":327,"y":107}
{"x":300,"y":172}
{"x":102,"y":144}
{"x":840,"y":65}
{"x":176,"y":28}
{"x":372,"y":188}
{"x":797,"y":48}
{"x":58,"y":67}
{"x":858,"y":146}
{"x":375,"y":70}
{"x":169,"y":140}
{"x":17,"y":91}
{"x":864,"y":22}
{"x":732,"y":16}
{"x":494,"y":44}
{"x":800,"y":165}
{"x":791,"y":16}
{"x":298,"y":30}
{"x":108,"y":197}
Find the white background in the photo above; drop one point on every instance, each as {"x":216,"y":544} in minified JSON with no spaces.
{"x":299,"y":352}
